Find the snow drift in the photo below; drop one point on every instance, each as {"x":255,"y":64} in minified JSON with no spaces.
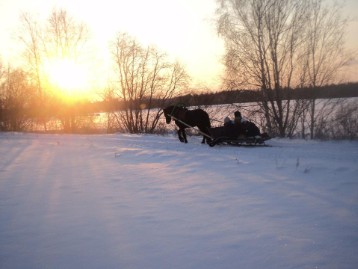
{"x":142,"y":201}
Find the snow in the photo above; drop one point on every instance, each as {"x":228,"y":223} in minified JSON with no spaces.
{"x":147,"y":201}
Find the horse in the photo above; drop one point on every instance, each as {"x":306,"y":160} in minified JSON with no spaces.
{"x":185,"y":118}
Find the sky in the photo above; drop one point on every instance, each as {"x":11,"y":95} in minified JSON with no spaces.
{"x":185,"y":29}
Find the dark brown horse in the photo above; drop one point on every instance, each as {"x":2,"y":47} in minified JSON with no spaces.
{"x":185,"y":118}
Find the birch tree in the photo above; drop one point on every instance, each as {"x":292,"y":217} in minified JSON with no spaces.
{"x":146,"y":81}
{"x":268,"y":46}
{"x":325,"y":53}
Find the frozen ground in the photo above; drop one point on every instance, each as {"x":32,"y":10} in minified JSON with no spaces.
{"x":138,"y":201}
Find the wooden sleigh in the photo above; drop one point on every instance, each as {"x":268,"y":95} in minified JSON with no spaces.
{"x":233,"y":135}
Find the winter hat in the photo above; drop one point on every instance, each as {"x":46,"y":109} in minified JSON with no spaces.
{"x":237,"y":114}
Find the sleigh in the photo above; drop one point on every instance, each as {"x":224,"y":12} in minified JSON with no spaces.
{"x":233,"y":135}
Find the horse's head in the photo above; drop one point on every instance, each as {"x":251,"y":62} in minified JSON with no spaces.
{"x":167,"y":114}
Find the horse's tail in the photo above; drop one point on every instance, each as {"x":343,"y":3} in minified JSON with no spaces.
{"x":204,"y":118}
{"x":207,"y":127}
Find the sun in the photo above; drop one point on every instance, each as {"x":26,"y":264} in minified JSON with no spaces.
{"x":69,"y":77}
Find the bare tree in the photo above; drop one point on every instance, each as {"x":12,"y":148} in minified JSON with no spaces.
{"x":65,"y":37}
{"x":31,"y":37}
{"x":2,"y":98}
{"x":16,"y":100}
{"x":346,"y":121}
{"x":263,"y":40}
{"x":267,"y":46}
{"x":325,"y":52}
{"x":60,"y":38}
{"x":146,"y":80}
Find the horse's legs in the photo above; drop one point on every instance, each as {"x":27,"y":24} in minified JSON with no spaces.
{"x":180,"y":136}
{"x":184,"y":136}
{"x":205,"y":138}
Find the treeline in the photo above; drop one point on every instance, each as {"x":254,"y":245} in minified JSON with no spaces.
{"x":223,"y":97}
{"x":345,"y":90}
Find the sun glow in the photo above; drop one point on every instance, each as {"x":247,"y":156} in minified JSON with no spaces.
{"x":69,"y":77}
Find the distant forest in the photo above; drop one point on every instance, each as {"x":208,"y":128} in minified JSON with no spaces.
{"x":242,"y":96}
{"x":248,"y":96}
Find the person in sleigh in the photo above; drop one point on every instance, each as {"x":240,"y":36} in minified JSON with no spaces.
{"x":242,"y":128}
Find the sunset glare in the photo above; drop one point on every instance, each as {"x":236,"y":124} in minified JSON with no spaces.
{"x":69,"y":77}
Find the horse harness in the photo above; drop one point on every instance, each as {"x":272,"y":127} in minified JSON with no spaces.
{"x":180,"y":115}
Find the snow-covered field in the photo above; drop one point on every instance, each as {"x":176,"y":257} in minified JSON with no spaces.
{"x":142,"y":201}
